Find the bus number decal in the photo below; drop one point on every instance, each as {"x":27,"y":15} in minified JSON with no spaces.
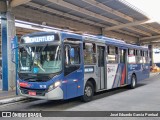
{"x":89,"y":69}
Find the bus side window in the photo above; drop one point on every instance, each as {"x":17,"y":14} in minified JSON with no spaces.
{"x":112,"y":56}
{"x":138,"y":56}
{"x":76,"y":58}
{"x":117,"y":55}
{"x":72,"y":58}
{"x":141,"y":56}
{"x":131,"y":56}
{"x":122,"y":56}
{"x":89,"y":50}
{"x":147,"y":57}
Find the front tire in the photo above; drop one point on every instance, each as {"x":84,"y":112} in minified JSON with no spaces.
{"x":133,"y":82}
{"x":88,"y":92}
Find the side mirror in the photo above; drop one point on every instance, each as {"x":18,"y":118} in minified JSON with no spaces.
{"x":72,"y":55}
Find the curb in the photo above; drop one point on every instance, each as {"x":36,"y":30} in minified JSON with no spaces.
{"x":11,"y":100}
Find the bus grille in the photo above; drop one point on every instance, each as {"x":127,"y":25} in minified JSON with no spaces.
{"x":39,"y":92}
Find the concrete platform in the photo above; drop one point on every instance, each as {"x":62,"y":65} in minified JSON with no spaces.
{"x":9,"y":96}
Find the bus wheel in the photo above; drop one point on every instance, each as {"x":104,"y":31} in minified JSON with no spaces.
{"x":88,"y":92}
{"x":133,"y":82}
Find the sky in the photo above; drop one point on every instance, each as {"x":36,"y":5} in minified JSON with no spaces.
{"x":150,"y":7}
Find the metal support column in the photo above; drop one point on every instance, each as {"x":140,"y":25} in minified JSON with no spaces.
{"x":138,"y":42}
{"x":7,"y":33}
{"x":150,"y":47}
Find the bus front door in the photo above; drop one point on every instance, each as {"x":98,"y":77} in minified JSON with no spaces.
{"x":101,"y":66}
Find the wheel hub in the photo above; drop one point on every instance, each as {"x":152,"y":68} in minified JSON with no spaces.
{"x":133,"y":82}
{"x":88,"y":91}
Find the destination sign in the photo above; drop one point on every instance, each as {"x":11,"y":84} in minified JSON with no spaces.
{"x":39,"y":39}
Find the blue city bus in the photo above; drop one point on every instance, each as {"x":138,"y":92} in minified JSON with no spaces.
{"x":62,"y":65}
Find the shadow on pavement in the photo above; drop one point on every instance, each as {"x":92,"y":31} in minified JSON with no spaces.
{"x":66,"y":104}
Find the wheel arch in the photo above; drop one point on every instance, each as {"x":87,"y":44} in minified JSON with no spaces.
{"x":92,"y":80}
{"x":133,"y":84}
{"x":134,"y":75}
{"x":130,"y":77}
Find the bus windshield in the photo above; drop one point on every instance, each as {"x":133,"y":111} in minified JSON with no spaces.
{"x":40,"y":59}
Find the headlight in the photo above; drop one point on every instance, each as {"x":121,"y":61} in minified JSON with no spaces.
{"x":56,"y":84}
{"x":53,"y":86}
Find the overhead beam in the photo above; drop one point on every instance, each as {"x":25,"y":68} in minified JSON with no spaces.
{"x":74,"y":17}
{"x":92,"y":14}
{"x":38,"y":17}
{"x":57,"y":21}
{"x":126,"y":25}
{"x":82,"y":10}
{"x":62,"y":14}
{"x":151,"y":28}
{"x":15,"y":3}
{"x":140,"y":31}
{"x":120,"y":35}
{"x":149,"y":38}
{"x":152,"y":43}
{"x":108,"y":9}
{"x":128,"y":33}
{"x":155,"y":43}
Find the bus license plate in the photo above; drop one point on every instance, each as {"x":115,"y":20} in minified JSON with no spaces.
{"x":32,"y":93}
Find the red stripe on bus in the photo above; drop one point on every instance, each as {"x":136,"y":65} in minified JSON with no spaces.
{"x":123,"y":75}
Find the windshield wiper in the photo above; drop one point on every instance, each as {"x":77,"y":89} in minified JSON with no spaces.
{"x":27,"y":78}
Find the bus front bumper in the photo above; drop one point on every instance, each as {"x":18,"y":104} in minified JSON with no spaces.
{"x":55,"y":94}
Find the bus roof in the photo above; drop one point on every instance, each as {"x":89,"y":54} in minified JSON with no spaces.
{"x":116,"y":42}
{"x":98,"y":38}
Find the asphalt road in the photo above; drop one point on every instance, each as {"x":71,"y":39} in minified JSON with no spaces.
{"x":146,"y":97}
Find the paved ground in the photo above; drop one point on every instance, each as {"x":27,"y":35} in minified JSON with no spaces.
{"x":6,"y":94}
{"x":146,"y":97}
